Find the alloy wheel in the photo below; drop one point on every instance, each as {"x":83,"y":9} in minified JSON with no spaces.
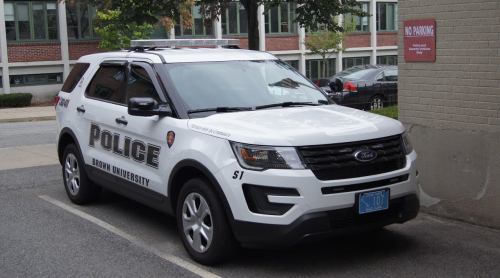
{"x":72,"y":174}
{"x":197,"y":222}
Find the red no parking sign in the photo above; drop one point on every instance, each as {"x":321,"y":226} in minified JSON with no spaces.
{"x":420,"y":40}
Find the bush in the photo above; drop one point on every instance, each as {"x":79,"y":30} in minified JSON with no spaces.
{"x":15,"y":100}
{"x":391,"y":112}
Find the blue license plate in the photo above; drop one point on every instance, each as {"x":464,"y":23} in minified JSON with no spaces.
{"x":373,"y":201}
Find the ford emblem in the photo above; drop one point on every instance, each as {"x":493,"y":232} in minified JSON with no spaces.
{"x":365,"y":155}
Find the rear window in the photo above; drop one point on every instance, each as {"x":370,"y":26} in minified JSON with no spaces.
{"x":75,"y":76}
{"x":354,"y":73}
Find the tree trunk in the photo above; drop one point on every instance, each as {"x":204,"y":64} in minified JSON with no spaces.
{"x":251,"y":8}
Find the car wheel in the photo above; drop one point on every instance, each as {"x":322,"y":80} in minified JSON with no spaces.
{"x":203,"y":224}
{"x":80,"y":189}
{"x":376,"y":102}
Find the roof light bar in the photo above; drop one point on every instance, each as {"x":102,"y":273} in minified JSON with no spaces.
{"x":183,"y":42}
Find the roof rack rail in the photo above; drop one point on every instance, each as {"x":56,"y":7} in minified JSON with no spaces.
{"x":138,"y":45}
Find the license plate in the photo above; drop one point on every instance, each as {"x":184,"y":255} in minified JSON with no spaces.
{"x":373,"y":201}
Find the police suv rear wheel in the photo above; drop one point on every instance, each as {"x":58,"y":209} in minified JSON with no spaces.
{"x":203,"y":225}
{"x":79,"y":187}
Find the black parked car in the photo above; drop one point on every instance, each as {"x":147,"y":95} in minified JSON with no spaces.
{"x":364,"y":87}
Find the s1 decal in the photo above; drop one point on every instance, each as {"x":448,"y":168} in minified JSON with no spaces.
{"x":237,"y":174}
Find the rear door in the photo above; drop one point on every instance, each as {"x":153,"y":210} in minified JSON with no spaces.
{"x":97,"y":111}
{"x":386,"y":85}
{"x":391,"y":78}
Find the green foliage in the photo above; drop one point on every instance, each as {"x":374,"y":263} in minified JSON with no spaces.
{"x":325,"y":42}
{"x":309,"y":13}
{"x":116,"y":35}
{"x":15,"y":100}
{"x":391,"y":112}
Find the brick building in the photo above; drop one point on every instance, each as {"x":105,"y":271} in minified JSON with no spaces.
{"x":40,"y":41}
{"x":452,"y":108}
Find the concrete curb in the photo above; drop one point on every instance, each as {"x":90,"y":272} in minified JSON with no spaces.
{"x":27,"y":119}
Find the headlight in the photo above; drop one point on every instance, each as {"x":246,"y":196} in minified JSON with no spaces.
{"x":263,"y":157}
{"x":407,"y":142}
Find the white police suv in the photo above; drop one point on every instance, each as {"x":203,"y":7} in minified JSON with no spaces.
{"x":237,"y":144}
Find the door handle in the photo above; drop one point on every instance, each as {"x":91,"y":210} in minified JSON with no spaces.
{"x":81,"y":109}
{"x":121,"y":120}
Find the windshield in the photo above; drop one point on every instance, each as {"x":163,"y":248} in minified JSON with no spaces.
{"x":241,"y":84}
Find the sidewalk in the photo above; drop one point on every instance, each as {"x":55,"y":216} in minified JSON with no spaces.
{"x":27,"y":114}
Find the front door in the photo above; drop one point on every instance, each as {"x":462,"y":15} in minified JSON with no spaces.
{"x":143,"y":141}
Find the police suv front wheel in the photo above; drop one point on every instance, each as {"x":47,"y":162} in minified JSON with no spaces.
{"x":203,"y":225}
{"x":79,"y":187}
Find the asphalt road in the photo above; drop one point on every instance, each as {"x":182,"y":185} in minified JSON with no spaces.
{"x":42,"y":234}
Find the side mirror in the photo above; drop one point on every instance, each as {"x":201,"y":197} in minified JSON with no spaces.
{"x":336,"y":84}
{"x":146,"y":106}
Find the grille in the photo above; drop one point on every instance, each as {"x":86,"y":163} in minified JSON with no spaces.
{"x":348,"y":218}
{"x":333,"y":162}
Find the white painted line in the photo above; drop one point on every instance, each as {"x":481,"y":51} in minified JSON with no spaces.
{"x":171,"y":258}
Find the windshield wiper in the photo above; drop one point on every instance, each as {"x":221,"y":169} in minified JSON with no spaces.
{"x":286,"y":104}
{"x":219,"y":109}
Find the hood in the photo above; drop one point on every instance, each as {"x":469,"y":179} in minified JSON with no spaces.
{"x":297,"y":126}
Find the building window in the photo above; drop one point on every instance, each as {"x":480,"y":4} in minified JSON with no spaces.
{"x":387,"y":16}
{"x":30,"y":21}
{"x":234,"y":20}
{"x":160,"y":32}
{"x":35,"y":79}
{"x":314,"y":69}
{"x":387,"y":60}
{"x":79,"y":18}
{"x":279,"y":20}
{"x":361,"y":24}
{"x":198,"y":28}
{"x":355,"y":61}
{"x":293,"y":63}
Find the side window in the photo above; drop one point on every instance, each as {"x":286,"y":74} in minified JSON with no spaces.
{"x":391,"y":75}
{"x":76,"y":74}
{"x":140,"y":84}
{"x":107,"y":84}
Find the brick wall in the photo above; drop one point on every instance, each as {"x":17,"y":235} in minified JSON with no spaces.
{"x":243,"y":41}
{"x":78,"y":49}
{"x":34,"y":51}
{"x":451,"y":108}
{"x":358,"y":40}
{"x":462,"y":88}
{"x":387,"y":39}
{"x":282,"y":42}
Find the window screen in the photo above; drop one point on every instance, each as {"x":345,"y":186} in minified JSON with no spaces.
{"x":75,"y":76}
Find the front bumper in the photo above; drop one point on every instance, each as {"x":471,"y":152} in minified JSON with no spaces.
{"x":321,"y":225}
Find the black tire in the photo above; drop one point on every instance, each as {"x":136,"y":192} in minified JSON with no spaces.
{"x":376,"y":102}
{"x":219,"y":244}
{"x":80,"y":189}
